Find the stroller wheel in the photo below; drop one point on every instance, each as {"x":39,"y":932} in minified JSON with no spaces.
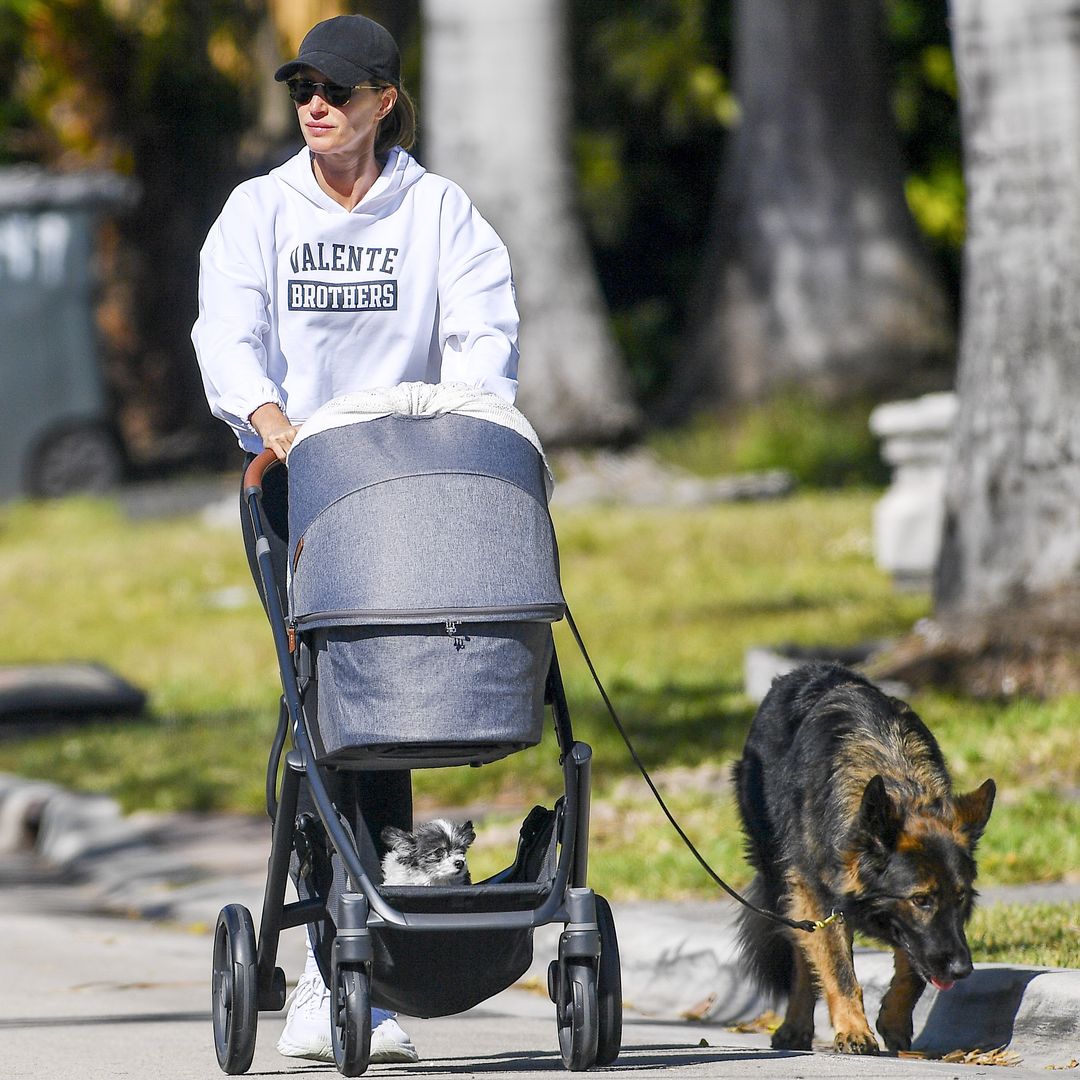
{"x":576,"y":1014}
{"x":235,"y":989}
{"x":351,"y":1027}
{"x":608,"y":987}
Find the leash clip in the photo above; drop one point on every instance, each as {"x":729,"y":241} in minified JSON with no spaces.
{"x":835,"y":917}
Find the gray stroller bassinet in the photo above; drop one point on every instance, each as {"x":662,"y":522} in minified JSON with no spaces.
{"x":424,"y":574}
{"x":423,"y":581}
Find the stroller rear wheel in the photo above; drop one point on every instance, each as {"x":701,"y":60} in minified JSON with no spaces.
{"x":608,"y":987}
{"x":235,"y":998}
{"x":351,"y":1027}
{"x":573,"y":986}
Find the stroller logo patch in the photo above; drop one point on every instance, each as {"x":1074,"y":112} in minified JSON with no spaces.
{"x":352,"y":296}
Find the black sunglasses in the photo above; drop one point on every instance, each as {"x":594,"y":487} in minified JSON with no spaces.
{"x":303,"y":90}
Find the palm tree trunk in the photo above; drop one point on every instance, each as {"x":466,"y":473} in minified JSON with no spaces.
{"x":495,"y":119}
{"x":1013,"y":492}
{"x":817,"y":276}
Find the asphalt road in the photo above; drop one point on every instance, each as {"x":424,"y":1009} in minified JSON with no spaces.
{"x":85,"y":996}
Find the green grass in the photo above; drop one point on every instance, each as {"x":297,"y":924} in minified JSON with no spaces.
{"x":1045,"y":935}
{"x":667,"y":602}
{"x":821,"y":447}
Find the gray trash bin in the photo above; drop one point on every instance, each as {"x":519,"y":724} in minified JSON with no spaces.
{"x":56,"y":437}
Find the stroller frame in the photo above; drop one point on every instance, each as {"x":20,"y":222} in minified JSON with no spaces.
{"x":584,"y":982}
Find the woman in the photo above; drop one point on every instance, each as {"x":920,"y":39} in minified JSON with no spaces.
{"x":347,"y":268}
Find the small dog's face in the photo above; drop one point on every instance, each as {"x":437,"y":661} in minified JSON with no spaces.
{"x":432,"y":854}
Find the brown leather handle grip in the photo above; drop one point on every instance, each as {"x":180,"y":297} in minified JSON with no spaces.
{"x":253,"y":474}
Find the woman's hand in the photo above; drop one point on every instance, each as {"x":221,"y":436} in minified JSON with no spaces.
{"x":274,"y":428}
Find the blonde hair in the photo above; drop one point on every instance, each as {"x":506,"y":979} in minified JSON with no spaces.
{"x":398,"y":126}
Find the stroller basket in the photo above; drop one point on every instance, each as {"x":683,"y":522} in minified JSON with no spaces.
{"x":406,"y":960}
{"x":424,"y":581}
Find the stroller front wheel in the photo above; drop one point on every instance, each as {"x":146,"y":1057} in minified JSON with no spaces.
{"x":351,"y":1027}
{"x":234,"y":992}
{"x":608,"y":987}
{"x":576,"y":1013}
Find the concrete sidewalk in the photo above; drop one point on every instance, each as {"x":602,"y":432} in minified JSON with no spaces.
{"x":678,"y":959}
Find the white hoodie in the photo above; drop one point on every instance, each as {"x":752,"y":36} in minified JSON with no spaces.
{"x":301,"y":300}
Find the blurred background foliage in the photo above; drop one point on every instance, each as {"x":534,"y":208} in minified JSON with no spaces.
{"x":178,"y":94}
{"x":650,"y":125}
{"x":820,"y":447}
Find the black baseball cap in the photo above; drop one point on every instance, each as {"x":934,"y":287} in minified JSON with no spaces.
{"x":347,"y":49}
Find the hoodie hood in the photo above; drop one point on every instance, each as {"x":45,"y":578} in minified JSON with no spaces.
{"x":399,"y":173}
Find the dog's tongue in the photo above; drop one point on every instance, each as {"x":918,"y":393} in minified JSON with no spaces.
{"x":942,"y":984}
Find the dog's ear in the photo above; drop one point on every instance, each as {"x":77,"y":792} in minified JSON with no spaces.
{"x":393,"y":837}
{"x":468,"y":833}
{"x":879,"y":821}
{"x":973,"y":811}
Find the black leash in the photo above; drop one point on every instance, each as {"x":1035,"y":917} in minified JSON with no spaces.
{"x":807,"y":925}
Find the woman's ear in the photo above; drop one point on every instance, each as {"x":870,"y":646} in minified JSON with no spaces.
{"x":389,"y":100}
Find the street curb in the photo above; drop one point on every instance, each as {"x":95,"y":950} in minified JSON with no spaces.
{"x":677,"y":959}
{"x":680,"y":960}
{"x":133,"y":865}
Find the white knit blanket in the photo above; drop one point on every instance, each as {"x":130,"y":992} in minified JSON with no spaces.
{"x":422,"y":399}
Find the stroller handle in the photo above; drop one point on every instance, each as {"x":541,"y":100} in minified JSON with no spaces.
{"x":253,"y":474}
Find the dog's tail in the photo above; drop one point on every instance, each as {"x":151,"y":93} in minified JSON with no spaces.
{"x":766,"y":956}
{"x":766,"y":952}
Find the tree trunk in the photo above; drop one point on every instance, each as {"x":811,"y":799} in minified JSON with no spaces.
{"x":1013,"y":498}
{"x":1007,"y":588}
{"x":817,"y":277}
{"x":496,"y":120}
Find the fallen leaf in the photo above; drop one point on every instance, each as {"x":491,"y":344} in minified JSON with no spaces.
{"x":765,"y":1024}
{"x":533,"y":985}
{"x":700,"y":1010}
{"x":998,"y":1056}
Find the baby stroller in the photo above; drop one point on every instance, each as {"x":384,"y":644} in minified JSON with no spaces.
{"x":423,"y":585}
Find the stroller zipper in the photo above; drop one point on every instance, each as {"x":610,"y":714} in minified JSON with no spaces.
{"x":436,"y":616}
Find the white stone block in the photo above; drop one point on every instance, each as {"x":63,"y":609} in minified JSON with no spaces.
{"x":908,"y":519}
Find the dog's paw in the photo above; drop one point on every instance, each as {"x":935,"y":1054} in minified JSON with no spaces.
{"x":898,"y":1040}
{"x":791,"y":1037}
{"x":855,"y":1042}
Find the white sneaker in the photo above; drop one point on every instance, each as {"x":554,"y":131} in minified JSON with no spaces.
{"x":389,"y":1042}
{"x":307,"y":1028}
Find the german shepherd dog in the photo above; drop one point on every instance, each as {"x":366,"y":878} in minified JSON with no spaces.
{"x":848,"y":808}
